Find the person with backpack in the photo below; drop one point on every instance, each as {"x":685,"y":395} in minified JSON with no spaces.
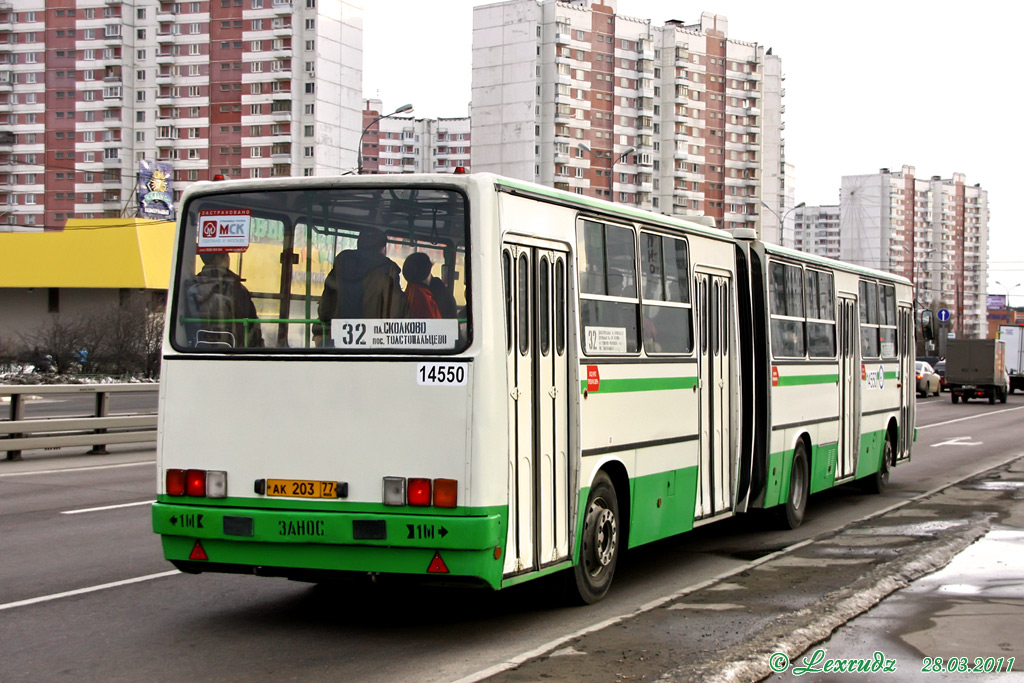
{"x":364,"y":283}
{"x":220,"y":306}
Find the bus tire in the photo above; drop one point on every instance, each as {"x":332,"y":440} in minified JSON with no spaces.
{"x":878,"y":481}
{"x":599,"y":545}
{"x":791,"y":515}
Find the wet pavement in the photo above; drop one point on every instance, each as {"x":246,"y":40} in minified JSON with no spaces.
{"x":930,"y":590}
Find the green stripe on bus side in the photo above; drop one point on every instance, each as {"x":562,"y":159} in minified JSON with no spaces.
{"x":801,"y":380}
{"x":823,"y":464}
{"x":331,"y":505}
{"x":618,"y":386}
{"x":662,"y":505}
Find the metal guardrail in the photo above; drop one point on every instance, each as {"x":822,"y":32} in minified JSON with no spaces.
{"x":19,"y":434}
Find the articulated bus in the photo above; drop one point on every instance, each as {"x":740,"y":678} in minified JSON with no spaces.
{"x":592,"y":378}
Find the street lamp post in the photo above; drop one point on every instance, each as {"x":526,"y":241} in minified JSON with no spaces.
{"x":1009,"y":290}
{"x":359,"y":153}
{"x":611,"y":167}
{"x":782,"y":221}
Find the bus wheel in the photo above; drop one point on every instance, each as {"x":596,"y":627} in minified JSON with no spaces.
{"x":877,"y":482}
{"x":599,"y":548}
{"x":791,"y":515}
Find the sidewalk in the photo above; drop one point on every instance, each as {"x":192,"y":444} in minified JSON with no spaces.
{"x":787,"y":606}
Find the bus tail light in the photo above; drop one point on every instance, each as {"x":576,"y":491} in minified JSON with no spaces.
{"x":445,"y":493}
{"x":175,"y":482}
{"x":195,"y":483}
{"x":419,"y":492}
{"x":198,"y":483}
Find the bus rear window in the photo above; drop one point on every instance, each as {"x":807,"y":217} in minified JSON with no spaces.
{"x":324,"y":270}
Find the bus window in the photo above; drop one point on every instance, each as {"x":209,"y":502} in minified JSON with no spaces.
{"x":608,"y":291}
{"x":887,"y":321}
{"x":322,"y":264}
{"x":786,"y":291}
{"x":821,"y":322}
{"x":868,"y":319}
{"x":667,"y":315}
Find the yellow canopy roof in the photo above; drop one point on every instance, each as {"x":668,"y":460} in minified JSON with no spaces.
{"x":115,"y":253}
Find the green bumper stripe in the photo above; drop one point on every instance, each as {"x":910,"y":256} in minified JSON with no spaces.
{"x":800,"y":380}
{"x":480,"y":564}
{"x":618,"y":386}
{"x":332,"y":528}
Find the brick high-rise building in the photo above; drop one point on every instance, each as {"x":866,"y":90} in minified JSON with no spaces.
{"x":933,"y":231}
{"x":403,"y":144}
{"x":677,"y":118}
{"x":241,"y":88}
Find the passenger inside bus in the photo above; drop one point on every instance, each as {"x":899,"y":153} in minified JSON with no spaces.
{"x":364,"y":283}
{"x":422,"y":303}
{"x":220,"y":307}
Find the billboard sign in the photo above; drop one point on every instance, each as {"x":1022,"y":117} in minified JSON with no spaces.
{"x":156,"y":190}
{"x":996,"y":301}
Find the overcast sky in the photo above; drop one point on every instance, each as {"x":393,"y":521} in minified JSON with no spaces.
{"x":869,"y":84}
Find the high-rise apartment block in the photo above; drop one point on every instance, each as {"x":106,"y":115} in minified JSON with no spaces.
{"x":241,"y":88}
{"x":933,"y":231}
{"x":402,"y":144}
{"x":816,"y":230}
{"x":678,"y":118}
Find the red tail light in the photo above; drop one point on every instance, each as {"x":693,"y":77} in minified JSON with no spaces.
{"x":419,"y":492}
{"x":445,"y":493}
{"x":195,"y":482}
{"x":175,"y":482}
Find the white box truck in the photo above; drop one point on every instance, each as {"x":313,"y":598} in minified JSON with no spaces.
{"x":1012,"y":336}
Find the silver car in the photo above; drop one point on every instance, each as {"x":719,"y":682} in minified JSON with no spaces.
{"x":928,"y":381}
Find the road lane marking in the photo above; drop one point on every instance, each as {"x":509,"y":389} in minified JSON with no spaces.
{"x":958,"y":441}
{"x":107,"y":507}
{"x":148,"y":463}
{"x":971,"y":417}
{"x":90,"y":589}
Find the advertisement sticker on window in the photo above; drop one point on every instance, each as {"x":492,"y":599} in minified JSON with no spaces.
{"x":223,"y":230}
{"x":605,"y":339}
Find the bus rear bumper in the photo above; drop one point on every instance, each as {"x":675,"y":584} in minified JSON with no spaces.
{"x":311,"y":545}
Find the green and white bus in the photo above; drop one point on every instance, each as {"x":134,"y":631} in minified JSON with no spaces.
{"x":593,"y":378}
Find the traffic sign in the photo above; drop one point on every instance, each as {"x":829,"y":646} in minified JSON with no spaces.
{"x":943,"y":315}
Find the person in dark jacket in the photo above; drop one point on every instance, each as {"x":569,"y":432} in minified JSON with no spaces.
{"x":222,"y":306}
{"x":364,"y":283}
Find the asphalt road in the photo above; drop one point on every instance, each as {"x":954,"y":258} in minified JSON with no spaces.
{"x":72,"y":524}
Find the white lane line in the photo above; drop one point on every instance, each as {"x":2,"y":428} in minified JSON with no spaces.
{"x":971,"y":417}
{"x":90,"y":589}
{"x":149,"y":463}
{"x":107,"y":507}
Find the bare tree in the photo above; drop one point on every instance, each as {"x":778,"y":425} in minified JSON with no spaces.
{"x":60,"y":338}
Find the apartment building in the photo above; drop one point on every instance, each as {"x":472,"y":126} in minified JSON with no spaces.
{"x":933,"y":231}
{"x":89,"y":89}
{"x":816,"y":230}
{"x":679,"y":118}
{"x":403,"y":144}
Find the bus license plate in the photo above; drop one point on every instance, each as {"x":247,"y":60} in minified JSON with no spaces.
{"x":292,"y":488}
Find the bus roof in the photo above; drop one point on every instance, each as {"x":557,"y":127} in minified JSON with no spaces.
{"x":779,"y":250}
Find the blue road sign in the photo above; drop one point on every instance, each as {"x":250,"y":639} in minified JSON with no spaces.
{"x":943,"y":315}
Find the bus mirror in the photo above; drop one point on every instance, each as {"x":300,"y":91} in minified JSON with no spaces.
{"x":928,"y":325}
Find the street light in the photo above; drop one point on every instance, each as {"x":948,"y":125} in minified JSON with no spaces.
{"x":611,"y":167}
{"x":359,"y":157}
{"x":782,"y":221}
{"x":1008,"y":291}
